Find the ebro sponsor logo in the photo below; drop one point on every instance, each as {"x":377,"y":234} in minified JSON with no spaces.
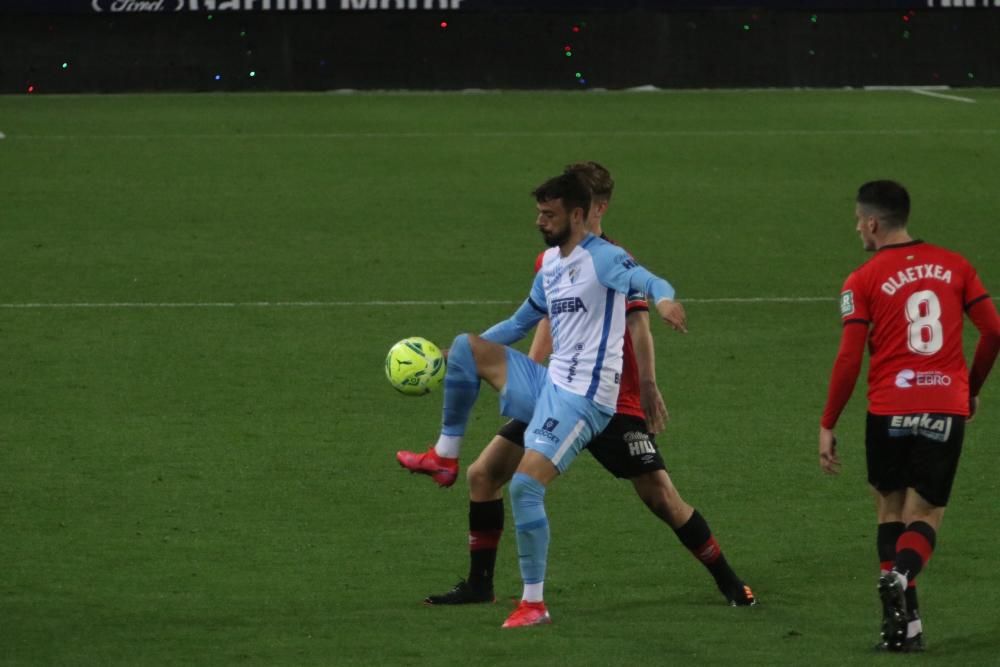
{"x":908,"y":378}
{"x":571,"y":304}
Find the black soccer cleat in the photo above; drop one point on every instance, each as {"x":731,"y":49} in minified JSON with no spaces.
{"x":891,"y":590}
{"x":914,"y":644}
{"x":464,"y":592}
{"x":740,"y":595}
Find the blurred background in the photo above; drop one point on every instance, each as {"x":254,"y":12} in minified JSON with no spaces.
{"x":63,"y":46}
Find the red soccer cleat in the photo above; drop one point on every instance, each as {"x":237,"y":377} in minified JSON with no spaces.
{"x":442,"y":470}
{"x":528,"y":613}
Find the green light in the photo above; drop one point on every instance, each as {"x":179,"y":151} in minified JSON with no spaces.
{"x":210,"y":17}
{"x":65,"y":65}
{"x":243,"y":33}
{"x":813,"y":18}
{"x":746,"y":26}
{"x":906,"y":34}
{"x":578,"y":75}
{"x":811,"y":52}
{"x":971,"y":75}
{"x":253,"y":73}
{"x":569,"y":54}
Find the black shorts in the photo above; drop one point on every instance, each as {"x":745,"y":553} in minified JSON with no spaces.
{"x":625,"y":448}
{"x":918,"y":451}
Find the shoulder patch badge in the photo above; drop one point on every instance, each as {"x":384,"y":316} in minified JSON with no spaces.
{"x":847,"y":303}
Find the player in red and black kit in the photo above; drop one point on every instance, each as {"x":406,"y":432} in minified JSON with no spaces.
{"x":907,"y":302}
{"x":626,"y":448}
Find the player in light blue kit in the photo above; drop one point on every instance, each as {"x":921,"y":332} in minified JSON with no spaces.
{"x":581,"y":287}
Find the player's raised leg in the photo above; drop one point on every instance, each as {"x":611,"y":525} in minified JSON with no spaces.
{"x":470,"y":359}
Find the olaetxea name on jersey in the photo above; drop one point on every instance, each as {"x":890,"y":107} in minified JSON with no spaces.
{"x":915,"y":273}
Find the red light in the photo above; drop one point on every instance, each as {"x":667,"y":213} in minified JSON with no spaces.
{"x":576,"y":28}
{"x":567,"y":48}
{"x":906,"y":19}
{"x":444,"y":24}
{"x":31,"y":88}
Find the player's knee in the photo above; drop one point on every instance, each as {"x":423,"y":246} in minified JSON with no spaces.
{"x":460,"y":344}
{"x":482,"y":481}
{"x":526,"y":491}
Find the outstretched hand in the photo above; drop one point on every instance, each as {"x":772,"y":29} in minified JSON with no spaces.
{"x":672,"y":312}
{"x":828,"y":459}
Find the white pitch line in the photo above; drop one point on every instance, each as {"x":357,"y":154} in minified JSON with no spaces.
{"x":343,"y":304}
{"x":931,"y":93}
{"x":352,"y":304}
{"x":527,"y":134}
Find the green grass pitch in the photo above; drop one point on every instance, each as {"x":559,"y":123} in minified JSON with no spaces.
{"x":199,"y":480}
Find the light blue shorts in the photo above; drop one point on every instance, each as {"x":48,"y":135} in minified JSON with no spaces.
{"x":560,"y":423}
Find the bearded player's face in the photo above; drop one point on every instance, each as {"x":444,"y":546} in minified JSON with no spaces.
{"x":553,"y":222}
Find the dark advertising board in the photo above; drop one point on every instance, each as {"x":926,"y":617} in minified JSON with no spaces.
{"x":173,"y":6}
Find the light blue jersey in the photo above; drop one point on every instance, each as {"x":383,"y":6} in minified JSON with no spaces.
{"x":584,"y":297}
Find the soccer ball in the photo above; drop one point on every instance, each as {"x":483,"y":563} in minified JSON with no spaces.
{"x":415,"y":366}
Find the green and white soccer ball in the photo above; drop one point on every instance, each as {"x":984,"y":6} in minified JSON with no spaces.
{"x":415,"y":366}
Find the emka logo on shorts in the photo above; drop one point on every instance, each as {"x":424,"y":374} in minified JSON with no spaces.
{"x":546,"y":430}
{"x":907,"y":378}
{"x":930,"y":426}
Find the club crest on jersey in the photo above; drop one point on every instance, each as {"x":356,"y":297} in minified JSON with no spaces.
{"x":847,"y":303}
{"x":573,"y":273}
{"x":572,"y":304}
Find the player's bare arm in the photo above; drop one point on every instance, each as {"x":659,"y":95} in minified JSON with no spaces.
{"x":645,"y":357}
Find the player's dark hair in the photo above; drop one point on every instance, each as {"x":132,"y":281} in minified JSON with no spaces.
{"x":597,"y":178}
{"x":889,"y":199}
{"x":567,"y":186}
